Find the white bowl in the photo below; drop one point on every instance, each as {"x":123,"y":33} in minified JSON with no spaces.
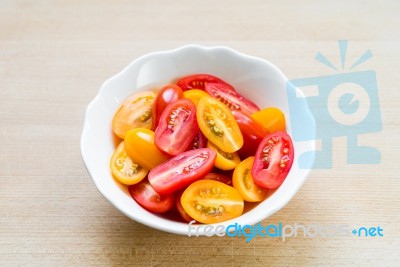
{"x":253,"y":77}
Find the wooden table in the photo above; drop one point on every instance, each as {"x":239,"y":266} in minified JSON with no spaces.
{"x":54,"y":55}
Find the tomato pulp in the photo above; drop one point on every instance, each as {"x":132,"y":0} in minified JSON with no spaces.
{"x":273,"y":160}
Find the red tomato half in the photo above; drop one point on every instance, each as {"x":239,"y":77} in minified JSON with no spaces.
{"x":177,"y":127}
{"x":253,"y":133}
{"x":149,"y":199}
{"x":218,"y":177}
{"x":232,"y":99}
{"x":273,"y":160}
{"x":168,"y":94}
{"x":197,"y":81}
{"x":199,"y":141}
{"x":182,"y":170}
{"x":181,"y":210}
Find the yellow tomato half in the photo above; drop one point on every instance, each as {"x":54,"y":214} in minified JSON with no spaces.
{"x":224,"y":161}
{"x":140,"y":147}
{"x":209,"y":201}
{"x":243,"y":181}
{"x":124,"y":169}
{"x":217,"y":123}
{"x":194,"y":95}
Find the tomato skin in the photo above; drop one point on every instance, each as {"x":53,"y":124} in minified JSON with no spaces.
{"x":253,"y":133}
{"x":177,"y":127}
{"x":197,"y":81}
{"x":148,"y":198}
{"x":134,"y":112}
{"x":209,"y":201}
{"x":167,"y":94}
{"x":124,"y":169}
{"x":232,"y":99}
{"x":218,"y":177}
{"x":199,"y":141}
{"x":244,"y":183}
{"x":224,"y":161}
{"x":194,"y":95}
{"x":273,"y":160}
{"x":182,"y":170}
{"x":184,"y":215}
{"x":271,"y":118}
{"x":218,"y":125}
{"x":140,"y":147}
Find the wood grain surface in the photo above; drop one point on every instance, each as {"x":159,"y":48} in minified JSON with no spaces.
{"x":54,"y":55}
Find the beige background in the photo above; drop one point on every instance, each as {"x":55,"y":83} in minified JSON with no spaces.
{"x":54,"y":55}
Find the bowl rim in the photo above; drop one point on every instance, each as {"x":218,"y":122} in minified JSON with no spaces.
{"x":146,"y":56}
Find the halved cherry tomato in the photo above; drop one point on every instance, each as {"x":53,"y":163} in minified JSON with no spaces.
{"x":243,"y":181}
{"x":134,"y":112}
{"x":218,"y":177}
{"x":253,"y":133}
{"x":124,"y":169}
{"x":181,"y":170}
{"x":184,"y":215}
{"x":194,"y":95}
{"x":232,"y":99}
{"x":272,"y":119}
{"x":197,"y":81}
{"x":209,"y":201}
{"x":224,"y":161}
{"x":273,"y":160}
{"x":177,"y":127}
{"x":167,"y":94}
{"x":217,"y":123}
{"x":148,"y":198}
{"x":199,"y":141}
{"x":140,"y":147}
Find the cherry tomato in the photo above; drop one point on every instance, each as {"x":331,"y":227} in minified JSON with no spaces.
{"x":194,"y":95}
{"x":134,"y":112}
{"x":167,"y":94}
{"x":184,"y":215}
{"x":218,"y":177}
{"x":199,"y":141}
{"x":273,"y":160}
{"x":124,"y":169}
{"x":253,"y":133}
{"x":197,"y":81}
{"x":148,"y":198}
{"x":272,"y":119}
{"x":177,"y":127}
{"x":140,"y":147}
{"x":243,"y":182}
{"x":181,"y":170}
{"x":217,"y":123}
{"x":232,"y":99}
{"x":224,"y":161}
{"x":209,"y":201}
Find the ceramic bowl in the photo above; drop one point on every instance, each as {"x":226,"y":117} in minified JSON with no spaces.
{"x":255,"y":78}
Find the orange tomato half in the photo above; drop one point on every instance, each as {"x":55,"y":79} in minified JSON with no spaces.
{"x":272,"y":119}
{"x":134,"y":112}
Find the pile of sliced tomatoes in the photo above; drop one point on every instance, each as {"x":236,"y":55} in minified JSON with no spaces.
{"x":200,"y":149}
